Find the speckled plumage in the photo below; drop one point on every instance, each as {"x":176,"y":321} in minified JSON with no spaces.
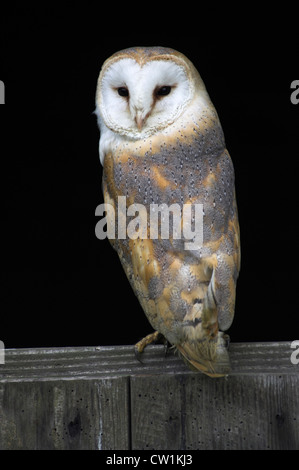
{"x":187,"y":295}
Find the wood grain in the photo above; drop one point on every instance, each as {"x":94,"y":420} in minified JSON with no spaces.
{"x":103,"y":398}
{"x":64,"y":414}
{"x":193,"y":412}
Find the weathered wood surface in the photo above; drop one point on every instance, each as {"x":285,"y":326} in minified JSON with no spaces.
{"x":102,"y":398}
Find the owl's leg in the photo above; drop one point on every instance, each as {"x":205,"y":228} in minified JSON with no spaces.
{"x":149,"y":339}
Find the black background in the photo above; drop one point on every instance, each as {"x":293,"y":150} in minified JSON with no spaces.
{"x":62,"y":286}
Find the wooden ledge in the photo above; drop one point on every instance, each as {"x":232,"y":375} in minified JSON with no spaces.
{"x":111,"y":361}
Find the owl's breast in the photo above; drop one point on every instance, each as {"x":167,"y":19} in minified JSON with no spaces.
{"x":189,"y":169}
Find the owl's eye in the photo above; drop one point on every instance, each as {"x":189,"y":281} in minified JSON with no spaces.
{"x":123,"y":91}
{"x":163,"y":90}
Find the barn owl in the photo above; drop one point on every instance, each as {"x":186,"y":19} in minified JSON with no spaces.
{"x":161,"y":142}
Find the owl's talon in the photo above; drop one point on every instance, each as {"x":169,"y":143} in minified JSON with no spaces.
{"x":226,"y":338}
{"x":138,"y":354}
{"x":149,"y":339}
{"x":167,"y":347}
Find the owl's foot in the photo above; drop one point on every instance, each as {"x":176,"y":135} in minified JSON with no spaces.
{"x":226,"y":338}
{"x":149,"y":339}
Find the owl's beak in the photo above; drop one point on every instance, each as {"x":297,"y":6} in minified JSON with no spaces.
{"x":139,"y":119}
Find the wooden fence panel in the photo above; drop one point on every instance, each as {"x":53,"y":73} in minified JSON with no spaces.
{"x":65,"y":414}
{"x":103,"y":398}
{"x":194,"y":412}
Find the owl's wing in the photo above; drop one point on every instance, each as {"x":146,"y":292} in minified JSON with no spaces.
{"x":205,"y":345}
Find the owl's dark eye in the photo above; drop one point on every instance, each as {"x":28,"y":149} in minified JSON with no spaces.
{"x":123,"y":91}
{"x":163,"y":90}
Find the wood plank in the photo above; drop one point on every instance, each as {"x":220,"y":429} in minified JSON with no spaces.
{"x":109,"y":361}
{"x":194,"y":412}
{"x":64,"y":414}
{"x":114,"y":414}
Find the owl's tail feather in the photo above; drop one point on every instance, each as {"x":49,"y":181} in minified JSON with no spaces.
{"x":209,"y":356}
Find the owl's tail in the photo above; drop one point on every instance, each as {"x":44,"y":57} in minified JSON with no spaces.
{"x":209,"y":356}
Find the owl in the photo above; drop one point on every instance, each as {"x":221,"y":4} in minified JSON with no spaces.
{"x":161,"y":144}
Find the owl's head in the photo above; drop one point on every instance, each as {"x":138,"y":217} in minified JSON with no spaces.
{"x":142,"y":90}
